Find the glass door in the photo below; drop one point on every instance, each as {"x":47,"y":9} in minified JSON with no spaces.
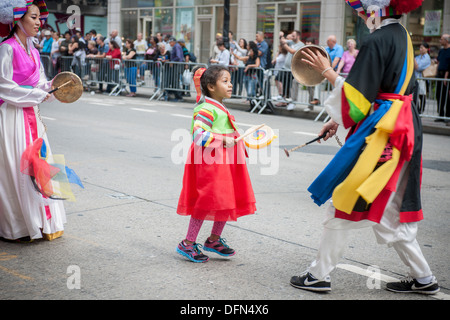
{"x":203,"y":40}
{"x":286,"y":25}
{"x":147,"y":27}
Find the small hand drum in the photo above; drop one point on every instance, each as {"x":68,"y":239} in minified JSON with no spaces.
{"x":70,"y":87}
{"x":261,"y":138}
{"x":302,"y":71}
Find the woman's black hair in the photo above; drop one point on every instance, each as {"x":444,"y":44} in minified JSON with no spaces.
{"x":11,"y":34}
{"x":114,"y":44}
{"x":245,"y":42}
{"x":254,"y":48}
{"x":210,"y":77}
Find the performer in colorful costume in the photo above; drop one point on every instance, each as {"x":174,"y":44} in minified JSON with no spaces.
{"x":375,"y":179}
{"x":216,"y":183}
{"x":26,"y":209}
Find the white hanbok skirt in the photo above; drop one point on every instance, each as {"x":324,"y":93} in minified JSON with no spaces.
{"x":23,"y":210}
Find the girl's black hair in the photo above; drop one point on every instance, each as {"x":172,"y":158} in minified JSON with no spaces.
{"x":210,"y":76}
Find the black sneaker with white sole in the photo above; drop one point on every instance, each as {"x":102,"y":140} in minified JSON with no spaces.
{"x":409,"y":285}
{"x":307,"y":282}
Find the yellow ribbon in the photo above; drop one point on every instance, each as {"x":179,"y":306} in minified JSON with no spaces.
{"x":363,"y":180}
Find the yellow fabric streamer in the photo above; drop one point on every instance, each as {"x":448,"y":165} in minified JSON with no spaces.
{"x":363,"y":180}
{"x":60,"y":182}
{"x":346,"y":194}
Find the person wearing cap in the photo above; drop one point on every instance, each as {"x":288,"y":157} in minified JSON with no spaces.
{"x":175,"y":70}
{"x":25,"y":213}
{"x":375,"y":178}
{"x":47,"y":44}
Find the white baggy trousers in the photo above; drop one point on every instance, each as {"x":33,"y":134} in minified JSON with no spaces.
{"x":401,"y":236}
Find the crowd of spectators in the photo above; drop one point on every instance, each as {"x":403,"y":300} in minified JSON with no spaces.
{"x":247,"y":60}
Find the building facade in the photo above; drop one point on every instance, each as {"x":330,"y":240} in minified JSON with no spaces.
{"x":198,"y":21}
{"x":78,"y":14}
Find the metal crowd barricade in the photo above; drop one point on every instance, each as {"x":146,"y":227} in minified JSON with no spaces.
{"x":47,"y":64}
{"x":95,"y":72}
{"x":174,"y":80}
{"x":432,"y":97}
{"x":251,"y":82}
{"x":141,"y":73}
{"x":281,"y":88}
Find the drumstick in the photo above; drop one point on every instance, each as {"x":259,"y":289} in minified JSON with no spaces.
{"x":250,"y":132}
{"x":63,"y":85}
{"x":301,"y":146}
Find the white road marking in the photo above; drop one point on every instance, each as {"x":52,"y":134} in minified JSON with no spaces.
{"x":48,"y":118}
{"x":384,"y":278}
{"x":306,"y":133}
{"x":101,"y":104}
{"x":180,"y":115}
{"x":246,"y":124}
{"x":143,"y":110}
{"x":365,"y":272}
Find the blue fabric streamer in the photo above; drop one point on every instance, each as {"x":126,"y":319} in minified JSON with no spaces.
{"x":73,"y":177}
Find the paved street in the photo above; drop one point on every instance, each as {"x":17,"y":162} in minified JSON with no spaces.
{"x":122,"y":231}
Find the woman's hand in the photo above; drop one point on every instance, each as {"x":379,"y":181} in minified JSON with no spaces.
{"x":47,"y":97}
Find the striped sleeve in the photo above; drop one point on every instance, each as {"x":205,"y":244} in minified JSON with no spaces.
{"x":364,"y":81}
{"x":202,"y":132}
{"x":355,"y":106}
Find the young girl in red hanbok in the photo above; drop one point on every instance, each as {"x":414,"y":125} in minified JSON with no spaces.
{"x":216,"y":183}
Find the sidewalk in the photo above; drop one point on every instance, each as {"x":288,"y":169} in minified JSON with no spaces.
{"x":429,"y":126}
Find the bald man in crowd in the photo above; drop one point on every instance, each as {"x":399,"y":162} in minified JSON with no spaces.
{"x":335,"y":51}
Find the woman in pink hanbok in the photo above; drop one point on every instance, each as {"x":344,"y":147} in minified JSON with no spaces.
{"x":25,"y":214}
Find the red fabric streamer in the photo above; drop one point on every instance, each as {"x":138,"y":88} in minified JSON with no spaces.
{"x":31,"y":164}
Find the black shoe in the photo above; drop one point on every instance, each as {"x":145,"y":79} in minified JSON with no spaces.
{"x":308,"y":282}
{"x":409,"y":284}
{"x":439,"y":120}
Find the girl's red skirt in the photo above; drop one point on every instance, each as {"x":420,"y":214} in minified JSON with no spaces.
{"x":216,"y":183}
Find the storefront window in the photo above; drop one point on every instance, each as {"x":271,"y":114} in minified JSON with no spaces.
{"x":129,"y":24}
{"x":266,"y":21}
{"x":425,"y":25}
{"x":211,"y":2}
{"x":310,"y":21}
{"x":205,"y":10}
{"x":137,"y":3}
{"x":287,"y":9}
{"x":185,"y":3}
{"x":184,"y":28}
{"x":148,"y":13}
{"x":164,"y":3}
{"x":220,"y":16}
{"x":163,"y":21}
